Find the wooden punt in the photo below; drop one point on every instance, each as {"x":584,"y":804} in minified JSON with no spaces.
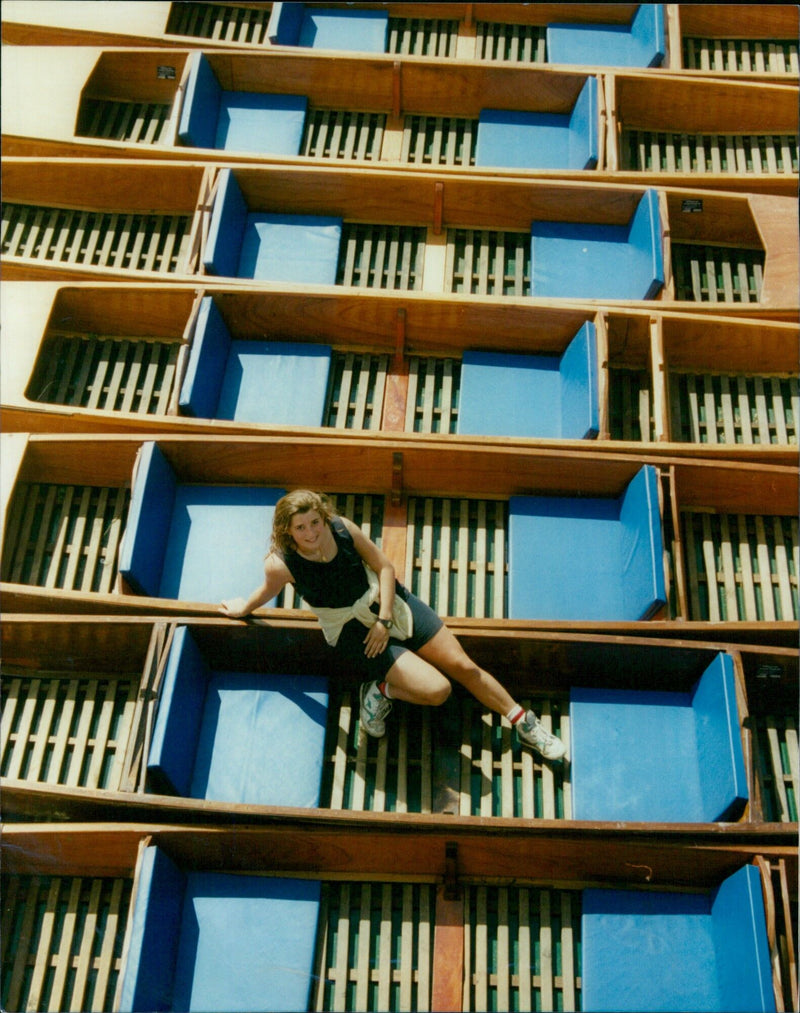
{"x":78,"y":218}
{"x":443,"y":883}
{"x":96,"y":358}
{"x":127,"y":103}
{"x":81,"y":693}
{"x":730,"y":529}
{"x":753,"y":40}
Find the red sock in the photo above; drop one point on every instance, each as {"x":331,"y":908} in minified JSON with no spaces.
{"x":516,"y":714}
{"x":384,"y":688}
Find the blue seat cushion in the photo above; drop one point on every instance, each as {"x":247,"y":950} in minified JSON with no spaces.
{"x":363,"y":31}
{"x":275,"y":383}
{"x":692,"y":769}
{"x":210,"y":941}
{"x":261,"y":123}
{"x":659,"y":951}
{"x":290,"y":248}
{"x":217,"y":541}
{"x":640,"y":44}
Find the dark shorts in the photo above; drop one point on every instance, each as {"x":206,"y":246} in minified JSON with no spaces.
{"x":350,"y":645}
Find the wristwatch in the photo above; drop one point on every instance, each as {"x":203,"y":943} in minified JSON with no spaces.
{"x":386,"y":622}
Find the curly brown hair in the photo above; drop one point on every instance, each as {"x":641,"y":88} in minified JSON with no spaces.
{"x":299,"y":501}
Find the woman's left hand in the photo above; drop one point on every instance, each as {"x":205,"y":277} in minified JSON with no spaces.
{"x":376,"y":640}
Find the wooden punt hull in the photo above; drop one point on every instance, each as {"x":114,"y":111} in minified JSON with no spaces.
{"x":652,"y":131}
{"x":394,"y":352}
{"x":157,"y":232}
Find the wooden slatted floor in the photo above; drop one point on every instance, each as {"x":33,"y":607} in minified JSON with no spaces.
{"x":724,"y":408}
{"x":522,"y":949}
{"x":398,"y":773}
{"x":439,"y":140}
{"x":106,"y":373}
{"x":775,"y":747}
{"x":743,"y":154}
{"x":67,"y":729}
{"x":132,"y":122}
{"x":433,"y":395}
{"x":382,"y":256}
{"x":118,"y":241}
{"x":62,"y":942}
{"x":64,"y":536}
{"x":741,"y":566}
{"x":356,"y":390}
{"x":759,"y":56}
{"x":340,"y":134}
{"x":482,"y":262}
{"x":226,"y":22}
{"x":630,"y":405}
{"x":422,"y":36}
{"x":512,"y":43}
{"x":717,"y":273}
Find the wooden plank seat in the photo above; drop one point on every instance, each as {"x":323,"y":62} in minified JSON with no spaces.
{"x":63,"y":940}
{"x":720,"y":941}
{"x":58,"y":236}
{"x":532,"y":395}
{"x":589,"y":261}
{"x":621,"y":571}
{"x":741,"y":565}
{"x":232,"y":736}
{"x":202,"y":940}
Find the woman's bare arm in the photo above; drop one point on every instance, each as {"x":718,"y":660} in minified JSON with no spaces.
{"x":276,"y":577}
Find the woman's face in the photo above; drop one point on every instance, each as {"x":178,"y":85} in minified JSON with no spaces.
{"x":307,"y":529}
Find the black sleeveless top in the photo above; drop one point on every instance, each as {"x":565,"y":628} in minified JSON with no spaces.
{"x":336,"y":584}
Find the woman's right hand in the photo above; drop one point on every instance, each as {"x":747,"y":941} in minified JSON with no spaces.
{"x":236,"y":608}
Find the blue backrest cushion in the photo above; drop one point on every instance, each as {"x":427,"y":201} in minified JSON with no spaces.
{"x":642,"y":562}
{"x":285,"y":19}
{"x":505,"y":394}
{"x":719,"y":743}
{"x":144,"y":543}
{"x":262,"y":739}
{"x":262,"y":123}
{"x":200,"y":113}
{"x":647,"y":30}
{"x":173,"y":749}
{"x":247,"y":943}
{"x":644,"y":239}
{"x":226,"y":229}
{"x":149,"y":972}
{"x":262,"y":379}
{"x":364,"y":31}
{"x":208,"y":359}
{"x":583,"y":128}
{"x":580,"y":409}
{"x":740,"y":934}
{"x":290,"y":248}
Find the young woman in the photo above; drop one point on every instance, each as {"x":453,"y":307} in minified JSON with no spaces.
{"x":394,"y":640}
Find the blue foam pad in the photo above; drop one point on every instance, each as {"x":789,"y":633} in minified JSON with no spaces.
{"x":226,"y":228}
{"x":283,"y":27}
{"x":364,"y":31}
{"x":262,"y":380}
{"x":293,"y":248}
{"x":261,"y":123}
{"x":692,"y":769}
{"x":574,"y":260}
{"x":246,"y":943}
{"x":262,"y":739}
{"x":197,"y":126}
{"x":144,"y":543}
{"x":532,"y":395}
{"x":642,"y":546}
{"x":523,"y":140}
{"x":173,"y":747}
{"x":149,"y":971}
{"x":217,"y":541}
{"x":712,"y":951}
{"x":640,"y":44}
{"x":549,"y":579}
{"x":208,"y":359}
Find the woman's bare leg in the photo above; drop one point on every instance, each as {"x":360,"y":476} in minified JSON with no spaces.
{"x":414,"y":680}
{"x":446,"y":654}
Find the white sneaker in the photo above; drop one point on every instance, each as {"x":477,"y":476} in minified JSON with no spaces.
{"x":532,"y":733}
{"x":374,"y":708}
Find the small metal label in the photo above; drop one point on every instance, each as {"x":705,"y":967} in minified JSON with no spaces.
{"x":165,"y":73}
{"x":691,"y":205}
